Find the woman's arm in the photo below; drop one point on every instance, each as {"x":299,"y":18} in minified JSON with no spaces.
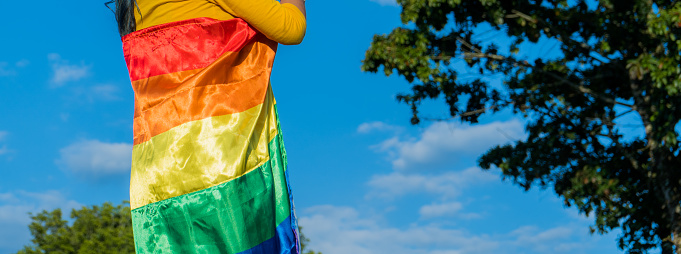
{"x":282,"y":22}
{"x":298,"y":3}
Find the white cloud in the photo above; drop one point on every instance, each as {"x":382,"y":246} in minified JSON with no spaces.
{"x":447,"y":185}
{"x":439,"y":210}
{"x":96,"y":158}
{"x":100,"y":92}
{"x":3,"y":148}
{"x":442,"y":143}
{"x":63,"y":71}
{"x":5,"y":70}
{"x":5,"y":197}
{"x":444,"y":207}
{"x":22,"y":63}
{"x":386,"y":2}
{"x":377,"y":126}
{"x":335,"y":230}
{"x":64,"y":116}
{"x":545,"y":241}
{"x":14,"y":218}
{"x":104,"y":92}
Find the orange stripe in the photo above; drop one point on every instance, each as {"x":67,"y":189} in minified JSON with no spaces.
{"x":165,"y":101}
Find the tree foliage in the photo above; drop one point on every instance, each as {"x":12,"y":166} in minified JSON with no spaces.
{"x":304,"y":242}
{"x":97,"y":229}
{"x":104,"y":229}
{"x":617,"y":58}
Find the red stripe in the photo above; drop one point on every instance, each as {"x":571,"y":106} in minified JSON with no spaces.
{"x":183,"y":45}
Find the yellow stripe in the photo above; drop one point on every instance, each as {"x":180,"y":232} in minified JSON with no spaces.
{"x":201,"y":154}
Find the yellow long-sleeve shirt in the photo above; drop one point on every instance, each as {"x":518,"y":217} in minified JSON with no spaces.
{"x":283,"y":23}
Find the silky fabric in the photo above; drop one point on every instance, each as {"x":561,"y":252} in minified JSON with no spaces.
{"x":200,"y":154}
{"x":209,"y":166}
{"x":175,"y":109}
{"x":283,"y":23}
{"x":193,"y":223}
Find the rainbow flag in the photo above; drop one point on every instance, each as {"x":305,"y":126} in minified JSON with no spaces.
{"x":209,"y":166}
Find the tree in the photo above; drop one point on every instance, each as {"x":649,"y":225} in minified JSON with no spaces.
{"x":304,"y":241}
{"x":616,"y":58}
{"x":96,"y":229}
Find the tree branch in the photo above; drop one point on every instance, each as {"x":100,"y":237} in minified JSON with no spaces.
{"x":578,"y":87}
{"x":468,"y":113}
{"x":585,"y":89}
{"x":467,"y":44}
{"x":548,"y":26}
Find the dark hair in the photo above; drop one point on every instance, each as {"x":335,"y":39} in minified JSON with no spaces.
{"x":125,"y":15}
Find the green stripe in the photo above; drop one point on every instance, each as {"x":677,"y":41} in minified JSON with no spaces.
{"x":280,"y":148}
{"x":228,"y":218}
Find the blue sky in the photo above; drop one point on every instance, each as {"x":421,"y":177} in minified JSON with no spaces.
{"x":364,"y":179}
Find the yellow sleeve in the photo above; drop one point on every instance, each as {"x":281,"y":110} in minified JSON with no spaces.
{"x":283,"y":23}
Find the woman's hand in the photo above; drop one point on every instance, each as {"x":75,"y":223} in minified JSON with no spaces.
{"x":298,"y":3}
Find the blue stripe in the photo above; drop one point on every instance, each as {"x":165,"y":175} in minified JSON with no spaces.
{"x":293,"y":219}
{"x":284,"y":242}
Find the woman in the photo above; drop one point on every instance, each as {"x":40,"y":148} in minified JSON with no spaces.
{"x":209,"y":166}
